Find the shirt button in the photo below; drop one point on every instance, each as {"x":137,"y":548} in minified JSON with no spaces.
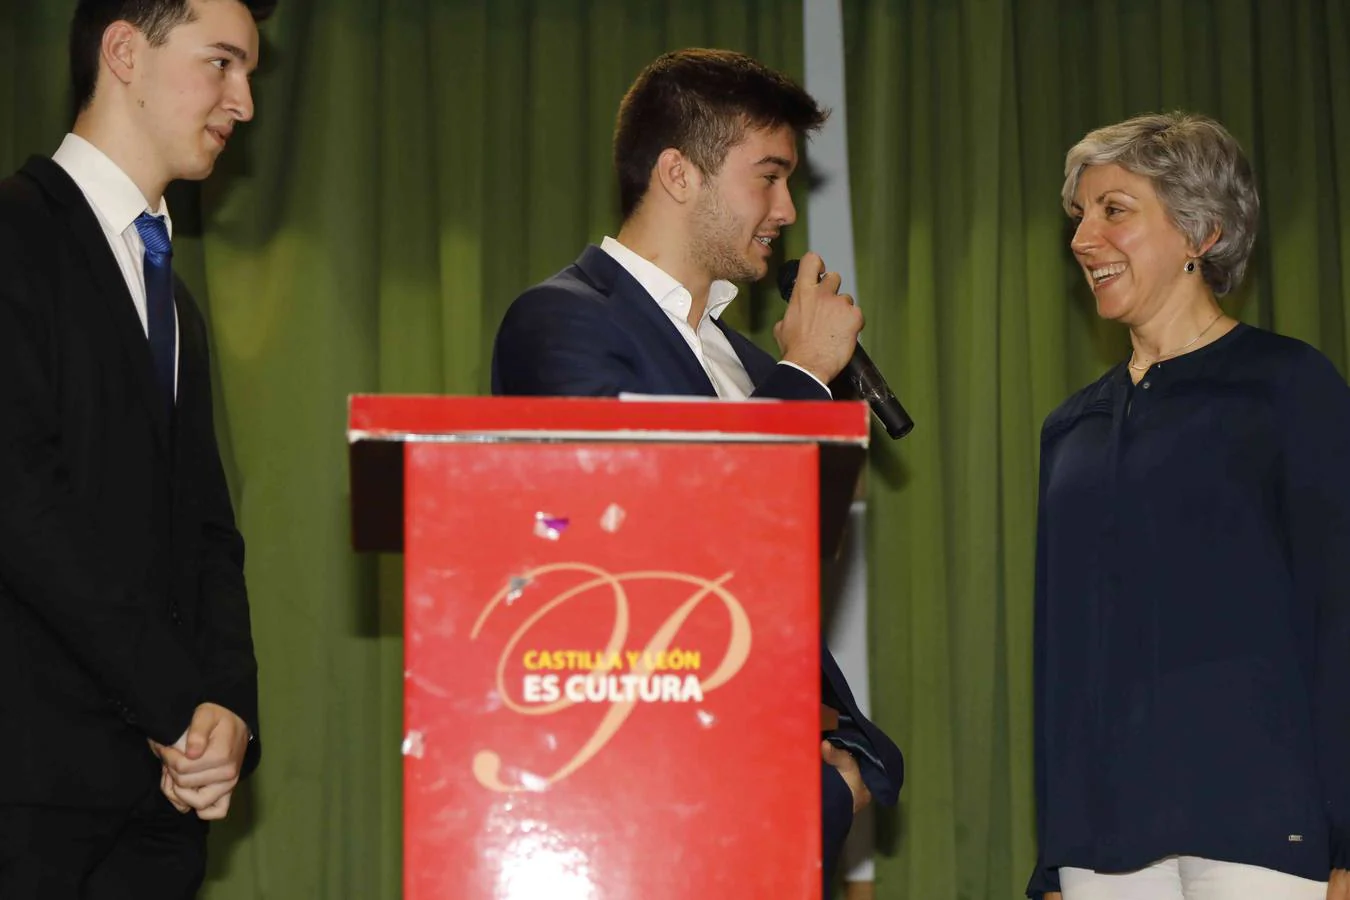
{"x":1146,"y":384}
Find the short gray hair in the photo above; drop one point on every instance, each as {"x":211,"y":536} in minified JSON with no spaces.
{"x":1200,"y":174}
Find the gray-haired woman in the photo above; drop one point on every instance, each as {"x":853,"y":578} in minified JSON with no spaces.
{"x":1193,"y":558}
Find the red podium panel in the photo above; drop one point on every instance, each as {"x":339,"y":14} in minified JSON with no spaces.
{"x":600,"y":691}
{"x":612,"y":640}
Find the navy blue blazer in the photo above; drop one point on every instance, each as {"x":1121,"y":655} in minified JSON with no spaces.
{"x":593,"y":330}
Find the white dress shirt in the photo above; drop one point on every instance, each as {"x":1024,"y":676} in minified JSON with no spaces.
{"x":708,"y":342}
{"x":116,"y":202}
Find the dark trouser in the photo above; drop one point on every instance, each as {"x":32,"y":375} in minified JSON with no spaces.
{"x":151,"y":853}
{"x":836,"y":818}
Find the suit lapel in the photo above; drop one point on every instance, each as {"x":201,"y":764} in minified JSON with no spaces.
{"x":758,"y":364}
{"x":194,"y":380}
{"x":194,"y":377}
{"x":108,"y":283}
{"x":638,"y":312}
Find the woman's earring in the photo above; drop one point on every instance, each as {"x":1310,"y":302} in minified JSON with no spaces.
{"x":1190,"y":266}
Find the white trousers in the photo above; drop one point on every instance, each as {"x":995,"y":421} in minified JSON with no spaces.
{"x":1189,"y":878}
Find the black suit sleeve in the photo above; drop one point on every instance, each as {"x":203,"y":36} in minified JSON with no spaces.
{"x":48,"y":545}
{"x":229,"y":667}
{"x":1044,"y":879}
{"x":790,"y":383}
{"x":553,"y":343}
{"x":1315,"y":484}
{"x":880,"y":761}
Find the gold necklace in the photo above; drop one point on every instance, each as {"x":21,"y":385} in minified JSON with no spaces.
{"x":1203,"y":332}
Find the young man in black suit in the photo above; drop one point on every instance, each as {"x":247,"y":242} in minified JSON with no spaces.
{"x":128,"y":686}
{"x":704,"y":145}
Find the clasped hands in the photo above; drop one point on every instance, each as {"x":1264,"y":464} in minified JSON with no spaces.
{"x":200,"y":771}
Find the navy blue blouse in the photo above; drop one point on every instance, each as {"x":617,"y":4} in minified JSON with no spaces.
{"x":1192,"y":642}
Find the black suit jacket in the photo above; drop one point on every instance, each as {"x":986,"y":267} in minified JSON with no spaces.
{"x":122,"y":600}
{"x":593,"y":330}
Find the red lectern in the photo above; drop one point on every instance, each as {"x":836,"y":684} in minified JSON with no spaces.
{"x":612,"y":673}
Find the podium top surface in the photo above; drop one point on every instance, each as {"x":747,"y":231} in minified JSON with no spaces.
{"x":401,"y":418}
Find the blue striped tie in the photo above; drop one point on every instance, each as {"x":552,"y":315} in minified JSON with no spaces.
{"x":159,"y":301}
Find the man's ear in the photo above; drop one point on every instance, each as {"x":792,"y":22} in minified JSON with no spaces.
{"x":676,"y":175}
{"x":118,"y":49}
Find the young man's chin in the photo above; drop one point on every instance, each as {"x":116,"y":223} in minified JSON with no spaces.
{"x":199,"y":170}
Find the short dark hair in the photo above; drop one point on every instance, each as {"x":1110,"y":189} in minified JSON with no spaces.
{"x":701,"y":102}
{"x":154,"y":18}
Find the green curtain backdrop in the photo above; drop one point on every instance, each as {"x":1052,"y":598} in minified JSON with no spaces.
{"x":413,"y":166}
{"x":961,"y":112}
{"x":415,"y":163}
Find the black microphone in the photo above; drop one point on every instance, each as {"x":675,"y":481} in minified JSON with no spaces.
{"x":861,"y":371}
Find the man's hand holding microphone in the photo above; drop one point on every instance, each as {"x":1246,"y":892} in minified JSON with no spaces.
{"x":819,"y":332}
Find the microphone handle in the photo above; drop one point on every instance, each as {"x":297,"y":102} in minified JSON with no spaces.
{"x":861,"y":371}
{"x":873,"y":388}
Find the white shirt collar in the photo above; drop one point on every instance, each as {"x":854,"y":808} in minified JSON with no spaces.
{"x":669,"y":294}
{"x":109,"y":190}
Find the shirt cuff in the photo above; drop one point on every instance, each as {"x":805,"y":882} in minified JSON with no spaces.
{"x":784,"y":362}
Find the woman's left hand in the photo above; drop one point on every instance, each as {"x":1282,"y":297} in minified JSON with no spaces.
{"x":1339,"y":888}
